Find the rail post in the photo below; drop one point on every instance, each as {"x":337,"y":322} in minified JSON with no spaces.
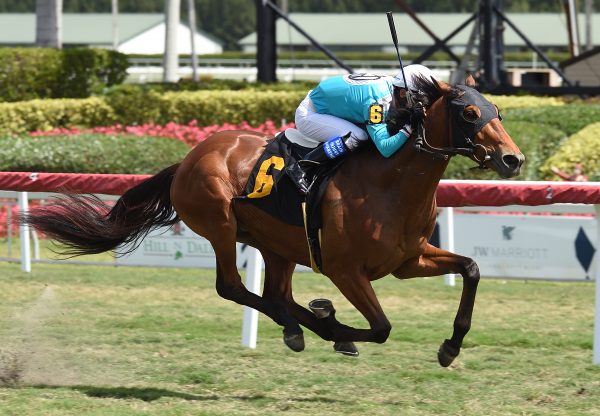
{"x":447,"y":238}
{"x":253,"y":281}
{"x":596,"y":356}
{"x":24,"y":234}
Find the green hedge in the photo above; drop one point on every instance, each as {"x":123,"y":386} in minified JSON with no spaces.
{"x":30,"y":73}
{"x":27,"y":116}
{"x":538,"y":131}
{"x":217,"y":107}
{"x":133,"y":106}
{"x":582,"y":147}
{"x":89,"y":154}
{"x":511,"y":102}
{"x":568,"y":118}
{"x":537,"y":142}
{"x":208,"y":107}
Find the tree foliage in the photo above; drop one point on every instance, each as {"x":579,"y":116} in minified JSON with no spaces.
{"x":231,"y":20}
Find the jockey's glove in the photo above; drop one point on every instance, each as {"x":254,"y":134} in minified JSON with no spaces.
{"x":417,"y":115}
{"x":407,"y":130}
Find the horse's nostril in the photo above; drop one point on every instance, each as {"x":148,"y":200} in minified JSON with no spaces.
{"x":511,"y":161}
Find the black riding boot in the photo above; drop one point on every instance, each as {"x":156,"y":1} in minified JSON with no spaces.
{"x":302,"y":173}
{"x":314,"y":158}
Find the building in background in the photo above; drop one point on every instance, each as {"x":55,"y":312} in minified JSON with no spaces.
{"x":370,"y":32}
{"x":139,"y":33}
{"x":584,"y":69}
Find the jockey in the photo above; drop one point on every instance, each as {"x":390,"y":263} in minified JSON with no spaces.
{"x":345,"y":110}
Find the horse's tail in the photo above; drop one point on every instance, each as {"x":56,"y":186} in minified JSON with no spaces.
{"x":87,"y":225}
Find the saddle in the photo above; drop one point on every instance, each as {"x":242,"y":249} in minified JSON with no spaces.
{"x":270,"y":189}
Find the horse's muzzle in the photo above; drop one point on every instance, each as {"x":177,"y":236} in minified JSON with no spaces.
{"x":508,"y":165}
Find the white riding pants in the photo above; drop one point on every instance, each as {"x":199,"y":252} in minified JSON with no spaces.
{"x":322,"y":127}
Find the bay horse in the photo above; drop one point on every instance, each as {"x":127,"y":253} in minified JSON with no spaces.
{"x":378,"y":215}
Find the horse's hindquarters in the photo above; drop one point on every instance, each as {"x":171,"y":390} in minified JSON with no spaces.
{"x":210,"y":176}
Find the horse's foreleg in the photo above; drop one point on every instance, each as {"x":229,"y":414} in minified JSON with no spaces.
{"x":437,"y":262}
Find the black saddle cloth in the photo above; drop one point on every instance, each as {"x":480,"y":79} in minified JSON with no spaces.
{"x":270,"y":189}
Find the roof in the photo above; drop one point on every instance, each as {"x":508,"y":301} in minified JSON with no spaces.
{"x":82,"y":28}
{"x":580,"y":57}
{"x":152,"y":42}
{"x":543,"y":29}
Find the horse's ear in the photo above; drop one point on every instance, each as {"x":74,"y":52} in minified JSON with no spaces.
{"x":442,"y":86}
{"x":470,"y":81}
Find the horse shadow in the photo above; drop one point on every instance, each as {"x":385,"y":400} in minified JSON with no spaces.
{"x":150,"y":394}
{"x":147,"y":394}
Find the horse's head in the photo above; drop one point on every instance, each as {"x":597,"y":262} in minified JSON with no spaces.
{"x":471,"y":127}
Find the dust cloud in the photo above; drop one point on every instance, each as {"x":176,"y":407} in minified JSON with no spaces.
{"x":30,"y":355}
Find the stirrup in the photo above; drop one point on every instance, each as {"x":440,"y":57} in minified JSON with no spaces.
{"x":314,"y":158}
{"x":298,"y":177}
{"x":309,"y":163}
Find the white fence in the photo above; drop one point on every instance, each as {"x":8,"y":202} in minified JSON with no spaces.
{"x":523,"y":242}
{"x":145,"y":69}
{"x":508,"y":246}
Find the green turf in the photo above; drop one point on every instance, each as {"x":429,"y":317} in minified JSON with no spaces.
{"x":135,"y":341}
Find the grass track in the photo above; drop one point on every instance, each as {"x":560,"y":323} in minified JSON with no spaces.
{"x":137,"y":341}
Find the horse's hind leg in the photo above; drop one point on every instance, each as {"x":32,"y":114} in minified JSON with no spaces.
{"x":222,"y":236}
{"x":278,"y":288}
{"x":278,"y":291}
{"x":229,"y":283}
{"x":203,"y":201}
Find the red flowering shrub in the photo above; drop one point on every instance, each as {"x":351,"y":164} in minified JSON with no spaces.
{"x":190,"y":133}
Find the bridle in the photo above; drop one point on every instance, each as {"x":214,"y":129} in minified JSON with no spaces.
{"x":461,"y":132}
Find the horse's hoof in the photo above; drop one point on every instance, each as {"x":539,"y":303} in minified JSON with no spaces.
{"x":294,"y":341}
{"x":322,"y":308}
{"x":346,"y":348}
{"x":447,"y":353}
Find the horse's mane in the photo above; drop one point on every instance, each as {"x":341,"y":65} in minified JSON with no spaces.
{"x":428,"y":92}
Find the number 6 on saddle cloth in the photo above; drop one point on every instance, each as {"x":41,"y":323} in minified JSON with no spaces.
{"x":272,"y":190}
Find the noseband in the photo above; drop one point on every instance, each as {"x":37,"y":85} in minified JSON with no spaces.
{"x":462,"y":132}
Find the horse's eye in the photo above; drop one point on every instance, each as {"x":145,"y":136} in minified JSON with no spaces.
{"x":470,"y":115}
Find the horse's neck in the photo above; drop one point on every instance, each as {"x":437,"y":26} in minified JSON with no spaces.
{"x":416,"y":175}
{"x":406,"y":182}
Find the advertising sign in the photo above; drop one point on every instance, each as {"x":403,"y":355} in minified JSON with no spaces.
{"x":530,"y":246}
{"x":177,"y":246}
